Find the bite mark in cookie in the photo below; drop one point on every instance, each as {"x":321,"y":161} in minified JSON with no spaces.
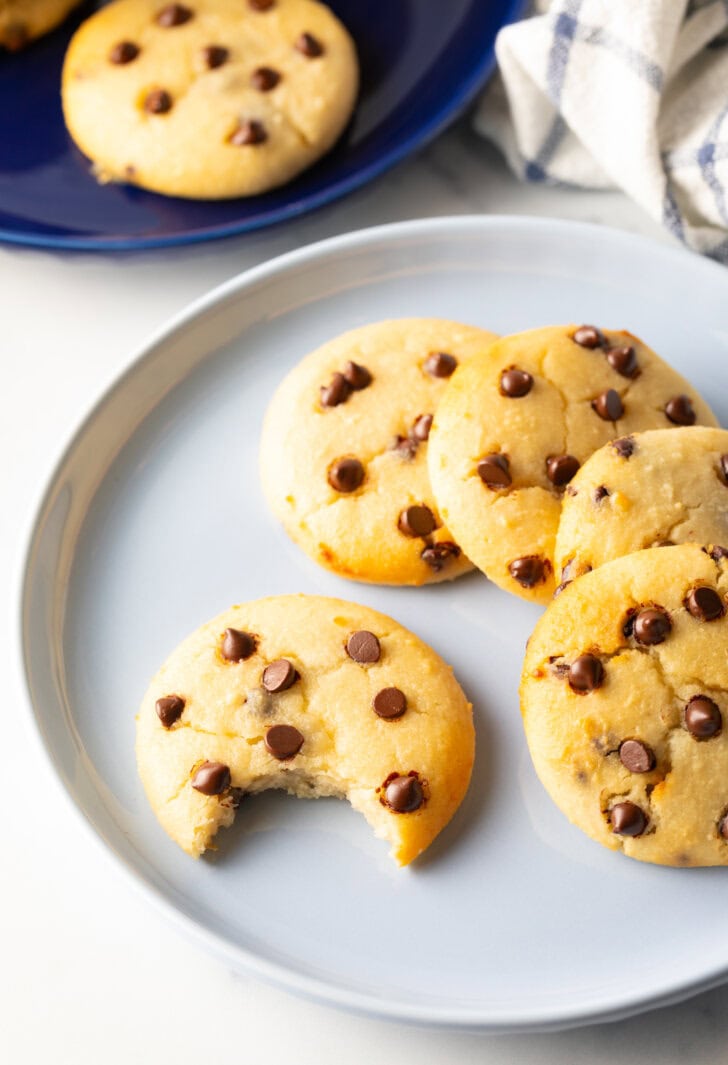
{"x":378,"y":718}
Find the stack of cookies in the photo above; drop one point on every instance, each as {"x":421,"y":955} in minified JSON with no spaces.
{"x":574,"y":468}
{"x":517,"y":424}
{"x":409,"y":451}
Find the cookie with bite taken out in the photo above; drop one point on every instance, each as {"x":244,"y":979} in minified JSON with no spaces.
{"x":314,"y":696}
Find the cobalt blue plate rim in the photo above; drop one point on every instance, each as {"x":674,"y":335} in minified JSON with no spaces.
{"x":424,"y":132}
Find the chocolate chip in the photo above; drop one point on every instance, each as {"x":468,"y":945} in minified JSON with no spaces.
{"x":214,"y":56}
{"x":158,"y":102}
{"x":169,"y":709}
{"x":651,"y":627}
{"x":336,"y":392}
{"x":261,"y":5}
{"x":723,"y":464}
{"x":123,"y":52}
{"x":174,"y":15}
{"x":704,"y":603}
{"x":718,"y":552}
{"x":586,"y":673}
{"x":259,"y":703}
{"x":211,"y":778}
{"x":279,"y":675}
{"x":237,"y":645}
{"x":346,"y":475}
{"x":389,"y":703}
{"x":600,"y":492}
{"x":363,"y":647}
{"x":703,"y":718}
{"x":404,"y":795}
{"x":440,"y":364}
{"x":494,"y":470}
{"x":264,"y":79}
{"x":529,"y":570}
{"x":416,"y":521}
{"x":405,"y":447}
{"x":283,"y":741}
{"x":422,"y":424}
{"x":438,"y":555}
{"x":561,"y":468}
{"x":680,"y":410}
{"x":309,"y":46}
{"x":608,"y":405}
{"x":627,"y":819}
{"x":250,"y":132}
{"x":636,"y":756}
{"x":723,"y":826}
{"x":515,"y":383}
{"x":588,"y":336}
{"x":15,"y":36}
{"x":624,"y":361}
{"x":567,"y":570}
{"x":625,"y":446}
{"x":357,"y":377}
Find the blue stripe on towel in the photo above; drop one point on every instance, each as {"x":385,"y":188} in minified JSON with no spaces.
{"x":565,"y":26}
{"x":635,"y":60}
{"x":535,"y":170}
{"x":672,"y":219}
{"x":567,"y":29}
{"x":706,"y":159}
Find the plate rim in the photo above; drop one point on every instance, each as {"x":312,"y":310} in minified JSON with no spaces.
{"x":312,"y":987}
{"x":425,"y":132}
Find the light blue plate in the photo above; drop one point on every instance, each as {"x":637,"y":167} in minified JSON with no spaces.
{"x":154,"y":521}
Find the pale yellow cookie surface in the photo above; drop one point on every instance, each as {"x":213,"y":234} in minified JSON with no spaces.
{"x":516,"y":422}
{"x":209,"y":99}
{"x":645,"y":490}
{"x":406,"y":774}
{"x":366,"y":528}
{"x":624,"y":697}
{"x":22,"y":21}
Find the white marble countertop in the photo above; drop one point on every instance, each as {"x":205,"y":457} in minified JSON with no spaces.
{"x":88,"y":972}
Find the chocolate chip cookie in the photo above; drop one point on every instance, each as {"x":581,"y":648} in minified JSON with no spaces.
{"x":645,"y":490}
{"x":208,"y":99}
{"x":344,"y":450}
{"x":624,"y":697}
{"x":315,"y":696}
{"x":516,"y":423}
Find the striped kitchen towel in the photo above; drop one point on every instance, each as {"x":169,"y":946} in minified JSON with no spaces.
{"x":621,"y":93}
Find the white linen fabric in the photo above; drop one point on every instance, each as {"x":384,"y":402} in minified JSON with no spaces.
{"x":621,"y":93}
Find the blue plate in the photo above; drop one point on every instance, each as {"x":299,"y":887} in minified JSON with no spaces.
{"x":421,"y":63}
